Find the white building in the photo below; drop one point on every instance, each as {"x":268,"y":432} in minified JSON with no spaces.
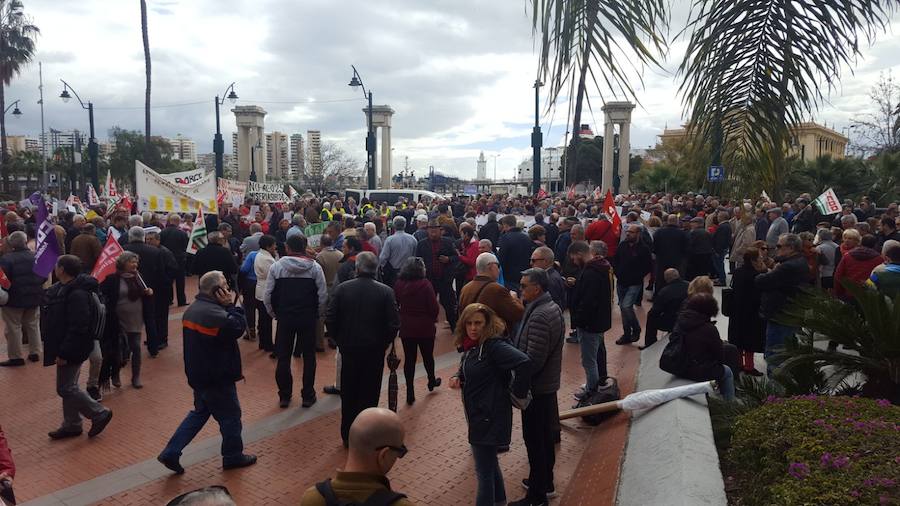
{"x":481,"y":171}
{"x":277,"y":157}
{"x":551,"y":168}
{"x":183,"y":149}
{"x":314,"y":152}
{"x":56,"y":139}
{"x":298,"y":156}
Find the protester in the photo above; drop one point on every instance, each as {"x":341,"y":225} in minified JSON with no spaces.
{"x":212,"y":363}
{"x":543,"y":258}
{"x":216,"y":257}
{"x":295,"y":294}
{"x":485,"y":289}
{"x":670,"y":245}
{"x":166,"y":295}
{"x":397,"y":248}
{"x":86,"y":247}
{"x":152,"y":273}
{"x":418,"y":315}
{"x":248,"y":283}
{"x":856,"y":267}
{"x":68,"y":318}
{"x":666,"y":305}
{"x":440,"y":257}
{"x":631,"y":264}
{"x":591,"y":308}
{"x":541,"y":339}
{"x":176,"y":239}
{"x":468,"y":252}
{"x":262,"y":263}
{"x":21,"y":314}
{"x":721,"y":242}
{"x":886,"y":277}
{"x":514,"y":251}
{"x":375,"y":443}
{"x":127,"y":310}
{"x":603,"y":230}
{"x":746,"y":328}
{"x":777,"y":226}
{"x":484,"y":376}
{"x":830,"y":254}
{"x":362,"y":315}
{"x":702,"y":344}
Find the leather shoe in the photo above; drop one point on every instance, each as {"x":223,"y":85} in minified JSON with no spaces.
{"x":171,"y":463}
{"x":627,"y":339}
{"x":331,"y":390}
{"x":242,"y":461}
{"x":34,"y":357}
{"x":64,"y":434}
{"x":13,"y":362}
{"x":100,"y":423}
{"x":95,"y":394}
{"x":308,"y":402}
{"x":284,"y":402}
{"x":434,"y":383}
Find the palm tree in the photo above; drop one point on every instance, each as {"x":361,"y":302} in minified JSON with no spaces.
{"x":751,"y":68}
{"x":147,"y":71}
{"x":17,"y":35}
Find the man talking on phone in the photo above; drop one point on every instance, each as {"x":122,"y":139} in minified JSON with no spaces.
{"x":212,"y":362}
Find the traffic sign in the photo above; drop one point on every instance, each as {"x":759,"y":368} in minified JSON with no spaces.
{"x":716,"y":174}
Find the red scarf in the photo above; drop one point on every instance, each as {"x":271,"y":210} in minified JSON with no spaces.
{"x":468,"y":343}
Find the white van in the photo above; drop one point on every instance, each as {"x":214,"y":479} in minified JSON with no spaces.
{"x":392,"y":196}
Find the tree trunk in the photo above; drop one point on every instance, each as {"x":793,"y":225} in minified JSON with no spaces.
{"x":147,"y":70}
{"x":4,"y":159}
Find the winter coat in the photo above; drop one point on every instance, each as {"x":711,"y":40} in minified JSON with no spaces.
{"x":485,"y":373}
{"x":722,"y":238}
{"x":6,"y":461}
{"x":855,"y":267}
{"x":886,"y":279}
{"x":215,"y":257}
{"x":467,"y":255}
{"x":485,"y":290}
{"x":109,"y":290}
{"x":211,"y":332}
{"x":514,"y":254}
{"x":744,"y":237}
{"x":491,"y":232}
{"x":362,"y":315}
{"x":87,"y":248}
{"x":591,"y":303}
{"x":670,"y":244}
{"x":700,"y":242}
{"x":558,"y":289}
{"x":151,"y":266}
{"x":781,"y":284}
{"x":295,"y":290}
{"x":176,"y":240}
{"x":778,"y":226}
{"x":746,"y":329}
{"x":66,"y":321}
{"x":26,"y":288}
{"x":667,"y":303}
{"x":632,"y":263}
{"x":541,"y":338}
{"x":418,"y":308}
{"x":262,"y":263}
{"x":702,"y":345}
{"x":446,"y":248}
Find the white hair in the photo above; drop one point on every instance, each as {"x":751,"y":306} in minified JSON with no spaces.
{"x":484,"y":261}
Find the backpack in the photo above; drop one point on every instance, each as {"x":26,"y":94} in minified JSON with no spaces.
{"x":673,"y":359}
{"x":608,"y":390}
{"x":98,"y":316}
{"x":381,"y":497}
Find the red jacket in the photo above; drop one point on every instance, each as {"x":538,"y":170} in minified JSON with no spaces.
{"x":6,"y":462}
{"x":855,"y":266}
{"x":602,"y":230}
{"x":467,"y":256}
{"x":418,"y":308}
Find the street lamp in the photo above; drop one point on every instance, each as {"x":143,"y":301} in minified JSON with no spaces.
{"x":218,"y":143}
{"x":93,"y":149}
{"x":537,"y":141}
{"x":253,"y":159}
{"x":16,"y":112}
{"x":370,"y":137}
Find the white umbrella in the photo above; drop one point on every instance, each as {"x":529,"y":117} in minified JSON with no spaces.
{"x":642,"y":400}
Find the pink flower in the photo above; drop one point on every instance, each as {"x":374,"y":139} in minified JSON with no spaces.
{"x":854,"y":493}
{"x":825,"y":460}
{"x":884,"y":403}
{"x":841,"y":462}
{"x":798,"y":470}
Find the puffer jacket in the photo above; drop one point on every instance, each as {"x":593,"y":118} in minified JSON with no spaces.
{"x":66,"y":321}
{"x":855,"y":267}
{"x":702,"y":345}
{"x":295,"y":289}
{"x":26,"y":289}
{"x":541,"y":338}
{"x":211,"y":354}
{"x":780,"y":284}
{"x":591,"y":302}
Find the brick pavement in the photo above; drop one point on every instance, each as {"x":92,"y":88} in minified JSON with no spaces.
{"x":438,"y":470}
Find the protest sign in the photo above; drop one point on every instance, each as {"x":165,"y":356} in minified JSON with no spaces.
{"x":46,"y":245}
{"x":186,"y":178}
{"x":314,"y":233}
{"x":159,"y":194}
{"x":267,"y":192}
{"x":231,"y":192}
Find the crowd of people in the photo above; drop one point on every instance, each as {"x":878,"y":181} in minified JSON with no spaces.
{"x":505,"y":270}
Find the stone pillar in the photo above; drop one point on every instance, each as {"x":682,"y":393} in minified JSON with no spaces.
{"x":606,"y":180}
{"x":386,"y":157}
{"x":624,"y":150}
{"x":250,"y":117}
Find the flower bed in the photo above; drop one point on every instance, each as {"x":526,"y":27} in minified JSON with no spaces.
{"x":816,"y":450}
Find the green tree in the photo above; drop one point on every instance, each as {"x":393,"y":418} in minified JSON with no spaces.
{"x":658,"y":177}
{"x":26,"y":164}
{"x":849,"y":177}
{"x":130,"y":146}
{"x":17,"y":35}
{"x":885,"y":173}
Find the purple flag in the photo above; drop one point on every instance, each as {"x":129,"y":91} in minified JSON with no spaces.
{"x":47,"y":250}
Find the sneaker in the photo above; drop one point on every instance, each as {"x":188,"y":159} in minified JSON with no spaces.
{"x":239,"y":462}
{"x":100,"y":423}
{"x":95,"y":394}
{"x":64,"y":434}
{"x":581,"y":394}
{"x":34,"y":357}
{"x":308,"y":402}
{"x":331,"y":390}
{"x":551,"y":494}
{"x":171,"y":463}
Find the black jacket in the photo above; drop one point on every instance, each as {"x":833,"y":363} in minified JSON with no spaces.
{"x":541,"y":338}
{"x":670,"y":244}
{"x":485,"y":372}
{"x":362,"y":315}
{"x":780,"y":284}
{"x":746,"y":329}
{"x":66,"y":321}
{"x":26,"y":289}
{"x":211,"y":354}
{"x":591,"y":303}
{"x":552,"y":234}
{"x":702,"y":345}
{"x":491,"y":232}
{"x":152,"y":265}
{"x":447,"y":248}
{"x":176,"y":240}
{"x":700,"y":242}
{"x":215,"y":257}
{"x":667,"y":303}
{"x":722,"y":238}
{"x":632,"y":263}
{"x":515,"y":254}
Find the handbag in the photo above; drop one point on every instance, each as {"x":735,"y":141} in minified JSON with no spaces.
{"x":727,"y":300}
{"x":607,"y":391}
{"x":392,"y":362}
{"x":674,"y":360}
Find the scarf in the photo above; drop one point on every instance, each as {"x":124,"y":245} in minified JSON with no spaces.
{"x":134,"y":287}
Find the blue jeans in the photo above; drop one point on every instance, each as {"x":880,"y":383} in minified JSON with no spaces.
{"x":776,"y":335}
{"x":490,"y":479}
{"x":593,"y":357}
{"x":220,"y":402}
{"x":726,"y":384}
{"x":628,"y":297}
{"x":719,"y":264}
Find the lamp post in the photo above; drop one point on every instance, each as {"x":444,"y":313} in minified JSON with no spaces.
{"x":16,"y":112}
{"x":355,"y":81}
{"x":253,"y":159}
{"x":537,"y":141}
{"x":93,"y":149}
{"x":218,"y":143}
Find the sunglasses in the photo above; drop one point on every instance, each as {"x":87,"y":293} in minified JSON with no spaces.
{"x":401,"y":450}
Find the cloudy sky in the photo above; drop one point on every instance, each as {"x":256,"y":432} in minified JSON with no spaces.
{"x":458,"y":74}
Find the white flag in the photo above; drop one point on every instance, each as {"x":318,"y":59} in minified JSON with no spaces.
{"x":198,"y":238}
{"x":828,"y":203}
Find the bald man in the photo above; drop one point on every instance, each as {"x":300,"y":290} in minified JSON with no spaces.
{"x":376,"y":442}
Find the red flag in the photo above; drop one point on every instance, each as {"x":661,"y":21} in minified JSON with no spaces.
{"x":3,"y":232}
{"x":541,"y":194}
{"x":106,"y":264}
{"x":609,"y":207}
{"x":4,"y":281}
{"x":571,"y":194}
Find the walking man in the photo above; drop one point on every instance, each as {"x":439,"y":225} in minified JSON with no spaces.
{"x":397,"y":249}
{"x":631,"y":263}
{"x":440,"y":257}
{"x":212,"y":362}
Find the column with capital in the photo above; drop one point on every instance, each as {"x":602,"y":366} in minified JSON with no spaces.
{"x":624,"y":158}
{"x":608,"y":154}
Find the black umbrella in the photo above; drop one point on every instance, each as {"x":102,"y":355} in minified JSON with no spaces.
{"x":393,"y":362}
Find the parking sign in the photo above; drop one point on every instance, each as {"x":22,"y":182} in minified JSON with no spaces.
{"x":716,"y":174}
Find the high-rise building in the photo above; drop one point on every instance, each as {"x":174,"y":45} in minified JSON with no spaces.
{"x":481,"y":173}
{"x":277,"y":156}
{"x":314,"y":153}
{"x":56,"y":139}
{"x":183,"y":149}
{"x":297,"y":156}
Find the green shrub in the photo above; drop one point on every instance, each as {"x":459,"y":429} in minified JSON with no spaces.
{"x":817,"y":450}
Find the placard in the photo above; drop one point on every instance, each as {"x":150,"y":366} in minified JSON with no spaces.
{"x":159,"y":194}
